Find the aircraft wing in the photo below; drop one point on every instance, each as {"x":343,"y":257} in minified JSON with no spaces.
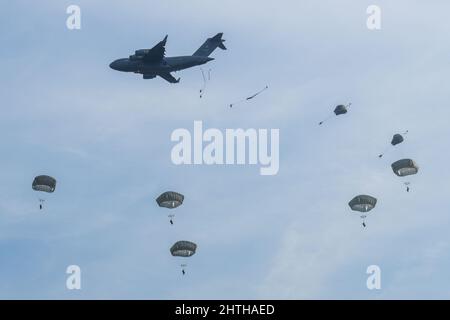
{"x":168,"y":77}
{"x":156,"y":53}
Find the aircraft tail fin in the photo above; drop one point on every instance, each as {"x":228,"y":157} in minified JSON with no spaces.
{"x":210,"y":45}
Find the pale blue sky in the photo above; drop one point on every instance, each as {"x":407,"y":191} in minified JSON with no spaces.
{"x":105,"y":136}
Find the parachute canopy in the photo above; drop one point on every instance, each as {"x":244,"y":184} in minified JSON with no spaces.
{"x":340,"y":109}
{"x":170,"y":199}
{"x":396,"y":139}
{"x":363,"y":203}
{"x":44,"y":183}
{"x":183,"y":249}
{"x":404,"y":167}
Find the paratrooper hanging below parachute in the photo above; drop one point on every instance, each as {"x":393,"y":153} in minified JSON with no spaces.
{"x":396,"y":139}
{"x":363,"y":203}
{"x":403,"y":168}
{"x":170,"y":200}
{"x":183,"y":249}
{"x":340,"y":109}
{"x":249,"y":97}
{"x":43,"y":183}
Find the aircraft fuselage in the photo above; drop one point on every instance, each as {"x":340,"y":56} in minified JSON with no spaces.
{"x":166,"y":65}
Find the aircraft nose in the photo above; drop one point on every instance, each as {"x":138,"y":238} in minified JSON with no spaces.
{"x":113,"y":65}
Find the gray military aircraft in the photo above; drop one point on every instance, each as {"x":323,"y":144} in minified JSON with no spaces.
{"x":152,"y":62}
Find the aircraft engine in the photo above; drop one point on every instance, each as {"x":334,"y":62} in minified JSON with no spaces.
{"x":141,"y":52}
{"x":134,"y":57}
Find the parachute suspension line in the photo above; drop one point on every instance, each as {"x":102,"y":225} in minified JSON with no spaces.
{"x":41,"y":204}
{"x":405,"y":133}
{"x":320,"y":123}
{"x":203,"y":75}
{"x":183,"y":268}
{"x":249,"y":97}
{"x":407,"y":186}
{"x":237,"y":102}
{"x":204,"y":83}
{"x":205,"y":80}
{"x":384,"y":152}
